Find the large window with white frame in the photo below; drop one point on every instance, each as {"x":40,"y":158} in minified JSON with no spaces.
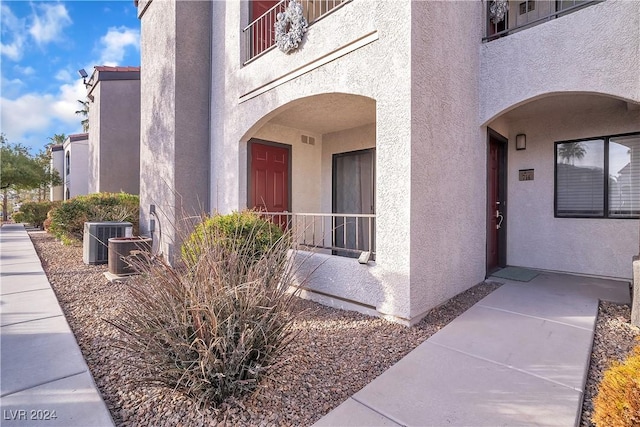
{"x":598,"y":177}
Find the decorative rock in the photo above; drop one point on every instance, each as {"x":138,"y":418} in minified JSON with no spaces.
{"x":349,"y":351}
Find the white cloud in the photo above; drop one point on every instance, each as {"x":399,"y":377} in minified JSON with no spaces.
{"x":11,"y":88}
{"x":28,"y":118}
{"x":115,"y":43}
{"x":49,"y":22}
{"x":13,"y":30}
{"x":25,"y":71}
{"x":65,"y":106}
{"x":64,"y":76}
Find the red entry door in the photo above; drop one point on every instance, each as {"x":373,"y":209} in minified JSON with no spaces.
{"x":263,"y":36}
{"x":496,"y":204}
{"x":269,"y":174}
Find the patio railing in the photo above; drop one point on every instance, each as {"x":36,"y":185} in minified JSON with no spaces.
{"x":343,"y":234}
{"x":259,"y":36}
{"x":528,"y":13}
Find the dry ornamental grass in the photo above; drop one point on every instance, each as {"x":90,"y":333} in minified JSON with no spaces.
{"x":335,"y":353}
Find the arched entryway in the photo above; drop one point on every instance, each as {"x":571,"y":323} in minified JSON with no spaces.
{"x":572,"y":183}
{"x":311,"y":163}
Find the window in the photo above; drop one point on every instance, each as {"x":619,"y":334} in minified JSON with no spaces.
{"x":598,"y":178}
{"x":67,"y":160}
{"x":527,"y":6}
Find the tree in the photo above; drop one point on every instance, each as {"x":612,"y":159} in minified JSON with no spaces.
{"x":58,"y":138}
{"x":48,"y":176}
{"x":84,"y":112}
{"x":19,"y":170}
{"x":571,"y":151}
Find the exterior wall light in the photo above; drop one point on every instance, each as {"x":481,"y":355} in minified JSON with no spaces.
{"x":521,"y":141}
{"x":84,"y":76}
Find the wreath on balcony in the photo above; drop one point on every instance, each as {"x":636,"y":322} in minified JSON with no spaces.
{"x":290,"y":27}
{"x":497,"y":10}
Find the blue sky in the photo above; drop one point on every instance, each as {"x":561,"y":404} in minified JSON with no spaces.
{"x":43,"y":45}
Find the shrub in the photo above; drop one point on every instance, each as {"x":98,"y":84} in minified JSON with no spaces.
{"x":246,"y":230}
{"x":618,"y":400}
{"x":211,"y":330}
{"x":18,"y":217}
{"x":34,"y":213}
{"x":68,"y":219}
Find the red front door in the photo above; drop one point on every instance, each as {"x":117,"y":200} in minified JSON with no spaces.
{"x":269,"y":177}
{"x":263,"y":32}
{"x":496,"y":203}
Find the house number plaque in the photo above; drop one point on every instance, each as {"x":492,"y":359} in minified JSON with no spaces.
{"x":526,"y":174}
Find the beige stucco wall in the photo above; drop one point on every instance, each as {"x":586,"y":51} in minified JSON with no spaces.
{"x":536,"y":239}
{"x":119,"y":136}
{"x":595,"y":49}
{"x":175,"y":98}
{"x":114,"y":137}
{"x":448,"y":155}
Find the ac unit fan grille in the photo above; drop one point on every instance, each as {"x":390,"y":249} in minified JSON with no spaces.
{"x":103,"y":234}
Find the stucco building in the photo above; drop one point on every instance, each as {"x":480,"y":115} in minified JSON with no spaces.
{"x":75,"y":172}
{"x":114,"y":129}
{"x":56,"y":163}
{"x":387,"y":137}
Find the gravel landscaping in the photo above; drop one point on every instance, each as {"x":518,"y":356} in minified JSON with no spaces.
{"x":335,"y":354}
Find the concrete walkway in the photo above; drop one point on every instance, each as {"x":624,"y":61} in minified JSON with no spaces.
{"x":520,"y":356}
{"x":45,"y":380}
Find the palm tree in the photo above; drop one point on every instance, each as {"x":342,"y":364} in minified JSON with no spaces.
{"x":84,"y":112}
{"x":57,"y":139}
{"x":571,"y":151}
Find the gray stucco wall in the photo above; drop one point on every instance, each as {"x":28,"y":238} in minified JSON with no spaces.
{"x":175,"y":97}
{"x":448,"y":154}
{"x":595,"y":49}
{"x":369,"y":43}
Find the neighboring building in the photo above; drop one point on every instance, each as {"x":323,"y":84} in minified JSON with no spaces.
{"x":56,"y":159}
{"x":114,"y":129}
{"x":405,"y":132}
{"x":75,"y":174}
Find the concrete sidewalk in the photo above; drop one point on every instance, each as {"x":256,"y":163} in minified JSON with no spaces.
{"x":45,"y":380}
{"x":520,"y":356}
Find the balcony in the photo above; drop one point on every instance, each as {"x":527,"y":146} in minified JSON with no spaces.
{"x":347,"y":235}
{"x":259,"y":36}
{"x":507,"y":17}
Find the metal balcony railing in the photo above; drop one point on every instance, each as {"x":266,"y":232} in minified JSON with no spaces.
{"x":259,"y":36}
{"x":343,"y":234}
{"x":528,"y":13}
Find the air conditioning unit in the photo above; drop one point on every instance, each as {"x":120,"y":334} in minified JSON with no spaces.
{"x":95,"y":242}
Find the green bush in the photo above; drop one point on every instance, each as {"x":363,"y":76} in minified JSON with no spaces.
{"x":617,"y":403}
{"x":214,"y":329}
{"x":34,"y":213}
{"x":68,"y":219}
{"x":246,"y":230}
{"x":18,"y":217}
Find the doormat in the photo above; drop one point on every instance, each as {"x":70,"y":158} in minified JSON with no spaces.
{"x":516,"y":273}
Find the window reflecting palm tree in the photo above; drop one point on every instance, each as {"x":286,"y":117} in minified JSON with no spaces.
{"x":571,"y":151}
